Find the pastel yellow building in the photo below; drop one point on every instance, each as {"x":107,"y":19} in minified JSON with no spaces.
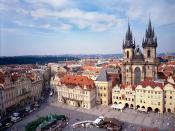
{"x":77,"y":91}
{"x":124,"y":95}
{"x":150,"y":96}
{"x":104,"y":88}
{"x":169,"y":97}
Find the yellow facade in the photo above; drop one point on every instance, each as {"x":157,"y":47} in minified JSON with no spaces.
{"x":123,"y":96}
{"x":169,"y":96}
{"x":150,"y":98}
{"x":104,"y":92}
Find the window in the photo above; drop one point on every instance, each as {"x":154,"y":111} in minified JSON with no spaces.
{"x":127,"y":54}
{"x":159,"y":103}
{"x":170,"y":97}
{"x":149,"y":54}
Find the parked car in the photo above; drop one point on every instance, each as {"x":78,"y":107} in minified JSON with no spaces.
{"x":51,"y":93}
{"x":8,"y":124}
{"x":16,"y":119}
{"x":28,"y":108}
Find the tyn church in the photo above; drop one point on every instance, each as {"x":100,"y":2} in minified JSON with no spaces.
{"x":137,"y":65}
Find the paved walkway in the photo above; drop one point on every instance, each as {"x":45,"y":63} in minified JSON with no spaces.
{"x":161,"y":121}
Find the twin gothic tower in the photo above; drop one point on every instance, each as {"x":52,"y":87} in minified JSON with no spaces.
{"x":138,"y":66}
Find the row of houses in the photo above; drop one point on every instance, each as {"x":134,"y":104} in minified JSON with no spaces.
{"x":82,"y":91}
{"x":19,"y":89}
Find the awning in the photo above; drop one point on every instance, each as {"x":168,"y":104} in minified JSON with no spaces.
{"x":142,"y":109}
{"x":118,"y":106}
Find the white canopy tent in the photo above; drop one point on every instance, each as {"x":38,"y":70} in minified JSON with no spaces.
{"x":118,"y":106}
{"x":142,"y":109}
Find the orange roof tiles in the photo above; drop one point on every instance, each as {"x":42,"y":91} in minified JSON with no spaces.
{"x":78,"y":80}
{"x":91,"y":68}
{"x":151,"y":83}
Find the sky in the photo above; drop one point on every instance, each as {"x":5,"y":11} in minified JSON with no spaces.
{"x":54,"y":27}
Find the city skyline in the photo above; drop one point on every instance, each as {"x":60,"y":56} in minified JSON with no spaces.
{"x":74,"y":27}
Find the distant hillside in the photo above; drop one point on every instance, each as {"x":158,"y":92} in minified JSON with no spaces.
{"x":34,"y":59}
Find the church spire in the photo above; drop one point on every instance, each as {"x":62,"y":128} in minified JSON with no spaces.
{"x":128,"y":43}
{"x":149,"y":36}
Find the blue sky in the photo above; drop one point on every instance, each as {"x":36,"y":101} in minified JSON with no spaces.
{"x":53,"y":27}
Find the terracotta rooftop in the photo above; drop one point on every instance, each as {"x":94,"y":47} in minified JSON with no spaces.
{"x":123,"y":86}
{"x":78,"y":80}
{"x":151,"y":83}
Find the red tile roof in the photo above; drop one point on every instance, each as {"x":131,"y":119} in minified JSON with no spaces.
{"x":78,"y":80}
{"x":171,"y":63}
{"x":91,"y":68}
{"x":151,"y":83}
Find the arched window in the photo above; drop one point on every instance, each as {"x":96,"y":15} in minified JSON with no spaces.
{"x":127,"y":54}
{"x":137,"y":75}
{"x":149,"y":54}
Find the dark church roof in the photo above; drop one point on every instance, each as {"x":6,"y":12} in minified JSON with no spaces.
{"x":102,"y":76}
{"x":150,"y":40}
{"x":128,"y":42}
{"x":138,"y":56}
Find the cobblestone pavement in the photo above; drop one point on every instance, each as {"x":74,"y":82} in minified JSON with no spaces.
{"x":132,"y":118}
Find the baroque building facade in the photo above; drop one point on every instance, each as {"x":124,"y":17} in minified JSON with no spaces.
{"x":137,"y":65}
{"x":76,"y":90}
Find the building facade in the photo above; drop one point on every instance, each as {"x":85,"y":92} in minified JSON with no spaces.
{"x":169,"y":97}
{"x":150,"y":96}
{"x":77,"y":91}
{"x":17,"y":91}
{"x":124,"y":95}
{"x":104,"y":88}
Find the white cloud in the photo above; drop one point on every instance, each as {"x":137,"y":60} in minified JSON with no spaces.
{"x":58,"y":27}
{"x":79,"y":18}
{"x":53,"y":3}
{"x":160,"y":12}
